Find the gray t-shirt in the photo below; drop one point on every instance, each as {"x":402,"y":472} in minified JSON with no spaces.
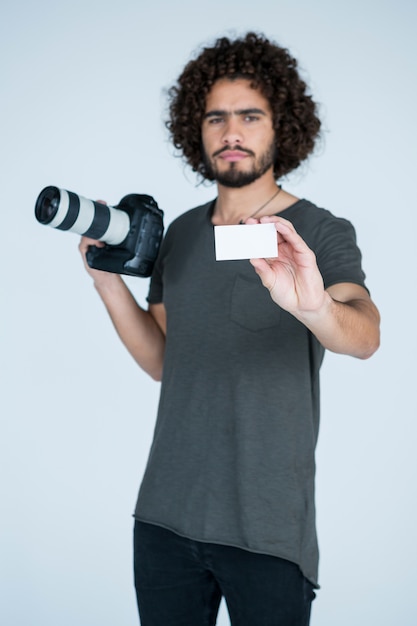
{"x":232,"y":460}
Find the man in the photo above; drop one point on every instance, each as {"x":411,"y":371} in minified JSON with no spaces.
{"x":226,"y":506}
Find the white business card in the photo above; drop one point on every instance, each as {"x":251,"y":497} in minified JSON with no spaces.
{"x":245,"y":241}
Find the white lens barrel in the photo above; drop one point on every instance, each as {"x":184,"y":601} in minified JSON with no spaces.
{"x":92,"y":219}
{"x":118,"y":229}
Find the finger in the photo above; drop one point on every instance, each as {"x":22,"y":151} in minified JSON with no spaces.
{"x":84,"y":245}
{"x":275,"y":218}
{"x":87,"y":241}
{"x":259,"y":264}
{"x":268,"y":219}
{"x":264,"y":271}
{"x":287,"y":231}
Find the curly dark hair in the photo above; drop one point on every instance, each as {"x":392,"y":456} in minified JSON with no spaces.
{"x":271,"y":69}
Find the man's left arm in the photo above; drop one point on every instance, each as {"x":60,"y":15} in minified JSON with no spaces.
{"x":342,"y":317}
{"x":347,"y":322}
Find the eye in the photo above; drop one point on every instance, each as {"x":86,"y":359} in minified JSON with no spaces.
{"x":215,"y":120}
{"x":251,"y":118}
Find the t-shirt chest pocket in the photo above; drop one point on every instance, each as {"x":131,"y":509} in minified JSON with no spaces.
{"x":251,"y":305}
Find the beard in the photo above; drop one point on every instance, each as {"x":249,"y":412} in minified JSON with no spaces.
{"x":233,"y":176}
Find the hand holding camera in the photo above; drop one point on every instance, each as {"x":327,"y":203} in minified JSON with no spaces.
{"x":131,"y":232}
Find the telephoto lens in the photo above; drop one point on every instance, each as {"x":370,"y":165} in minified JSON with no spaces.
{"x":66,"y":210}
{"x":132,"y":231}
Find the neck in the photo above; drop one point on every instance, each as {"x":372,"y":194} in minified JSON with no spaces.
{"x":236,"y":205}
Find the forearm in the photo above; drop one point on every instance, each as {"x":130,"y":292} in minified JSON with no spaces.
{"x":350,"y":327}
{"x":135,"y":326}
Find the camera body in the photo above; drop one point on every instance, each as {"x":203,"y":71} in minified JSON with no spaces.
{"x":132,"y":231}
{"x":137,"y":253}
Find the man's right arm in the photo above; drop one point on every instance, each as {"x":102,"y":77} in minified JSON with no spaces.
{"x":141,"y":331}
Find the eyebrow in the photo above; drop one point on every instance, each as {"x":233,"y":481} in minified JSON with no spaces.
{"x":223,"y":112}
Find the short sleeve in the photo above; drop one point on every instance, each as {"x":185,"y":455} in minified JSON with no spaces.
{"x":338,"y":256}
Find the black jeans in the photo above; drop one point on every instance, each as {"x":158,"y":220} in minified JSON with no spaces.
{"x":180,"y":582}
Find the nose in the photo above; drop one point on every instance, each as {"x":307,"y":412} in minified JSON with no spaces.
{"x":232,"y":133}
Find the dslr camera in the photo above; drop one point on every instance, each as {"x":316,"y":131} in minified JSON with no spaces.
{"x":132,"y":231}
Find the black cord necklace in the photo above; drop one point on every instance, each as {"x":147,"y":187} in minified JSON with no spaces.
{"x":263,"y":205}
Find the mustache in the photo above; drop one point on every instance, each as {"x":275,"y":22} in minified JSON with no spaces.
{"x":233,"y":149}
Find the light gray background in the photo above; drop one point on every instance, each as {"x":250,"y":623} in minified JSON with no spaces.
{"x":82,"y":104}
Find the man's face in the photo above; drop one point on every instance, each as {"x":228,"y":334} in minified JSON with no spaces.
{"x":237,"y":133}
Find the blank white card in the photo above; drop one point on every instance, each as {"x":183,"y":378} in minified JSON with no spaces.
{"x":245,"y":241}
